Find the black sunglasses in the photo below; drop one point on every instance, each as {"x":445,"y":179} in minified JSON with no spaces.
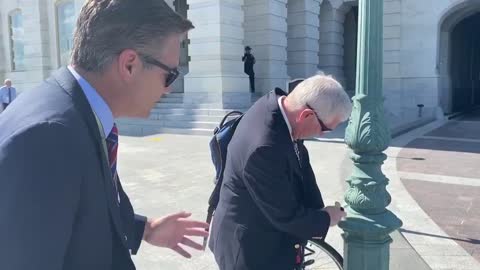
{"x":172,"y":72}
{"x":324,"y":127}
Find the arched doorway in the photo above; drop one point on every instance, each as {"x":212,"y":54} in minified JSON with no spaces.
{"x":465,"y":64}
{"x":350,"y":49}
{"x":459,"y":58}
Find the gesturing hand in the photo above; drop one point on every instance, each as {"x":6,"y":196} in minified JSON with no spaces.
{"x":172,"y":230}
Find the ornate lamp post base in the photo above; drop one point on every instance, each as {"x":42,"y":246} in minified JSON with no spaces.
{"x":367,"y":240}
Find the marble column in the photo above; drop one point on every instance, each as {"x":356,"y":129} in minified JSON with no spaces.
{"x":303,"y":34}
{"x":181,"y":7}
{"x":331,"y":40}
{"x":266,"y":33}
{"x":36,"y":39}
{"x":216,"y":48}
{"x":3,"y":58}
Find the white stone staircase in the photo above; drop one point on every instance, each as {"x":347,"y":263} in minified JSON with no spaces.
{"x":172,"y":115}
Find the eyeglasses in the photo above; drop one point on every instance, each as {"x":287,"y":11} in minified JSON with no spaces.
{"x":324,"y":127}
{"x":172,"y":72}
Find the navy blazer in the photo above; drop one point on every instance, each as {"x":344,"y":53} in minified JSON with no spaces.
{"x":268,"y":202}
{"x":58,"y":207}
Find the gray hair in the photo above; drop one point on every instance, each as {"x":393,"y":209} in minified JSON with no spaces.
{"x":107,"y":27}
{"x":7,"y":81}
{"x":323,"y":94}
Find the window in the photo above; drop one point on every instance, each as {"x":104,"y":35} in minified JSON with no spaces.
{"x":65,"y":24}
{"x":17,"y":43}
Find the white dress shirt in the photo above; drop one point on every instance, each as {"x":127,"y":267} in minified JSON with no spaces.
{"x":280,"y":104}
{"x":295,"y":144}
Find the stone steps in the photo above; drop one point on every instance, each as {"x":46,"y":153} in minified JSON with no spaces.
{"x":193,"y":111}
{"x":186,"y":117}
{"x":145,"y":127}
{"x":175,"y":105}
{"x":170,"y":123}
{"x":135,"y":128}
{"x":173,"y":95}
{"x":172,"y":98}
{"x":171,"y":115}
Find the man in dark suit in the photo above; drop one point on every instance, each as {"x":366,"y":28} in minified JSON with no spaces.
{"x":269,"y":201}
{"x":248,"y":62}
{"x":62,"y":205}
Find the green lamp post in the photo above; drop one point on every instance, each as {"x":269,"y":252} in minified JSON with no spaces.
{"x":369,"y":224}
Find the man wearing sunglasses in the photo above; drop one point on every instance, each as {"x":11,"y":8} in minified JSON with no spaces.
{"x":62,"y":205}
{"x":270,"y":203}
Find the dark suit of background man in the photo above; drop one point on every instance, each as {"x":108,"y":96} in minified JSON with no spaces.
{"x":7,"y":93}
{"x":62,"y":205}
{"x":248,"y":62}
{"x":270,"y":201}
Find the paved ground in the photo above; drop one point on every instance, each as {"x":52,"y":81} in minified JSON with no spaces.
{"x":167,"y":173}
{"x":441,"y":171}
{"x":433,"y":181}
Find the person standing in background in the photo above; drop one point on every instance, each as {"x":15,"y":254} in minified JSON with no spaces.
{"x":7,"y":93}
{"x":248,"y":62}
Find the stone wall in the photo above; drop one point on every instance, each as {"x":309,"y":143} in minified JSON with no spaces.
{"x":266,"y":32}
{"x":216,"y":48}
{"x":415,"y":76}
{"x":290,"y":39}
{"x":392,"y":78}
{"x":3,"y":58}
{"x":41,"y":55}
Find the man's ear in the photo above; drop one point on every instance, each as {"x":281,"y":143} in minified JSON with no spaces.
{"x":304,"y":114}
{"x":128,"y":63}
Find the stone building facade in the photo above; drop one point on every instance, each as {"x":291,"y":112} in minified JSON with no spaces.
{"x":431,"y":54}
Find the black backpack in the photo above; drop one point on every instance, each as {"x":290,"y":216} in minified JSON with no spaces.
{"x":218,"y":150}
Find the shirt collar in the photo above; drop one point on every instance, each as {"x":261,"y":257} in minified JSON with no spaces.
{"x":280,"y":99}
{"x":98,"y":104}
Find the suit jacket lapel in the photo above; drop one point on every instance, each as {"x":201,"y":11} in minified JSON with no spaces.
{"x":70,"y":85}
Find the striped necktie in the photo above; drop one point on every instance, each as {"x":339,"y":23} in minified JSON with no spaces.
{"x":112,"y":147}
{"x":297,"y":152}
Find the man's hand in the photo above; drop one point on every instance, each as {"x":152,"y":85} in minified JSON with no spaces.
{"x":172,"y":230}
{"x":336,"y":213}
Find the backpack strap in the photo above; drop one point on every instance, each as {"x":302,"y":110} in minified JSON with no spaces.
{"x":215,"y":195}
{"x":232,"y":113}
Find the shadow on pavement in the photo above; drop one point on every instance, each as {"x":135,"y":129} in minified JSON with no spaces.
{"x":468,"y":240}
